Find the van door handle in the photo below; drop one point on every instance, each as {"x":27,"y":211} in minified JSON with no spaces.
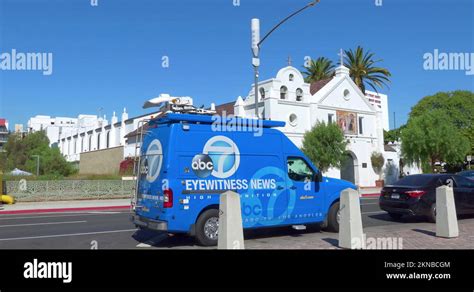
{"x":293,"y":188}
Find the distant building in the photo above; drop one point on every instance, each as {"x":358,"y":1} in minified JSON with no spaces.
{"x":100,"y":149}
{"x":380,"y":102}
{"x":19,"y":128}
{"x":3,"y":133}
{"x":57,"y":126}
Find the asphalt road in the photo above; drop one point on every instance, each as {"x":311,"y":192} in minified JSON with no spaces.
{"x":113,"y":230}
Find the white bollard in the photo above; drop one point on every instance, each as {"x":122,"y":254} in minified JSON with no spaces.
{"x":350,"y":224}
{"x":231,"y":233}
{"x":446,"y":219}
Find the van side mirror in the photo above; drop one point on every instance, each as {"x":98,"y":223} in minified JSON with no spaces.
{"x":319,"y":177}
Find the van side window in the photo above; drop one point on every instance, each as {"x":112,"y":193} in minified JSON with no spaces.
{"x":299,"y":170}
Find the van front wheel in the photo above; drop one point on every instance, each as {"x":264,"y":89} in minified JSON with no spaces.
{"x":333,"y":218}
{"x":207,"y":227}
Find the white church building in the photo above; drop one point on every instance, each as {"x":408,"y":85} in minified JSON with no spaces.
{"x":335,"y":100}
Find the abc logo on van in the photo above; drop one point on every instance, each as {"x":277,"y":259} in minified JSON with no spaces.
{"x":154,"y":157}
{"x":224,"y":154}
{"x":220,"y":157}
{"x":202,"y":165}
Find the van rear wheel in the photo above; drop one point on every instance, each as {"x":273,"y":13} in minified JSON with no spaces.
{"x":207,"y":227}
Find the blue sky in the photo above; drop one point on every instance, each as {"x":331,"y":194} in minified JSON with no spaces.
{"x":110,"y":56}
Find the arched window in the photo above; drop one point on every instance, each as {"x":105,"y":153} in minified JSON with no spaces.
{"x":291,"y":77}
{"x":75,"y":145}
{"x":98,"y":141}
{"x":262,"y":93}
{"x":299,"y":94}
{"x":90,"y":142}
{"x":108,"y":139}
{"x":283,"y":92}
{"x":82,"y":144}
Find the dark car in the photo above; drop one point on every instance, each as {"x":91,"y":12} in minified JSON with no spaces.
{"x":416,"y":195}
{"x":467,"y":174}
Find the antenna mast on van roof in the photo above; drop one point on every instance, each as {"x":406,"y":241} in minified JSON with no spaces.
{"x":172,"y":104}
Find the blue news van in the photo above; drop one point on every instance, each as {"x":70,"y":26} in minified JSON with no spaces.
{"x":188,"y":160}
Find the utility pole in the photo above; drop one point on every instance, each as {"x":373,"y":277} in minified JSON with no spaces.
{"x":394,"y":121}
{"x":256,"y":42}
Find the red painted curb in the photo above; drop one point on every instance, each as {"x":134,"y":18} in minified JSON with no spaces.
{"x":370,"y":195}
{"x":64,"y":210}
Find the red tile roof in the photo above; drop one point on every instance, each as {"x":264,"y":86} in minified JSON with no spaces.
{"x":136,"y":132}
{"x":227,"y":107}
{"x":316,"y":86}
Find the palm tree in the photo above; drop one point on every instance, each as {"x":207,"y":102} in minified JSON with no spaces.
{"x":317,"y":70}
{"x":362,"y":69}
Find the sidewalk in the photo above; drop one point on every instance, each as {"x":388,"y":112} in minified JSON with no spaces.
{"x":420,"y":235}
{"x":370,"y":192}
{"x":64,"y":206}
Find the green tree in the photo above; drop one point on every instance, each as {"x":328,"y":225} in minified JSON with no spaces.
{"x":20,"y":151}
{"x":392,"y":135}
{"x":458,"y":106}
{"x":362,"y":69}
{"x":325,"y":145}
{"x":3,"y":161}
{"x":430,"y":138}
{"x":319,"y":69}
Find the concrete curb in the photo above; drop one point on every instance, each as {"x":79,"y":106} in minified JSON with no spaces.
{"x":369,"y":195}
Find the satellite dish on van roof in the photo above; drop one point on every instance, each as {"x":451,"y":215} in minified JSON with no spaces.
{"x":166,"y":98}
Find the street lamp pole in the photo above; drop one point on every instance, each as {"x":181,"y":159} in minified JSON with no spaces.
{"x":37,"y":164}
{"x":256,"y":42}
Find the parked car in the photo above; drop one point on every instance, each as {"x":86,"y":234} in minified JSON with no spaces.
{"x":416,"y":195}
{"x":467,"y":173}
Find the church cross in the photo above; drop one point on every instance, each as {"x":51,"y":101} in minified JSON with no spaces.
{"x":289,"y":60}
{"x":341,"y":54}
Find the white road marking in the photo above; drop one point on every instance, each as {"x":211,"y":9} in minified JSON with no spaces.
{"x":57,"y":216}
{"x":143,"y":245}
{"x":66,"y":235}
{"x":45,"y":223}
